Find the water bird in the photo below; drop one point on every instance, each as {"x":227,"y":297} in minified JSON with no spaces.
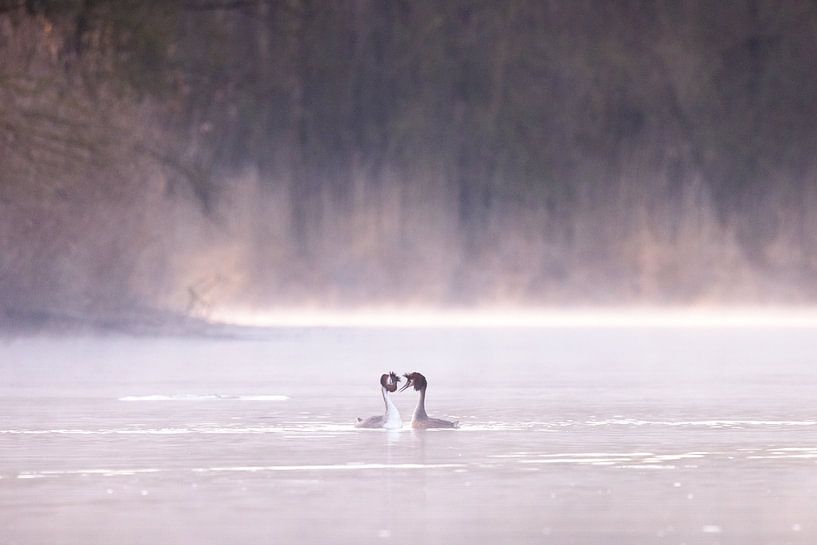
{"x":420,"y":419}
{"x":391,"y":420}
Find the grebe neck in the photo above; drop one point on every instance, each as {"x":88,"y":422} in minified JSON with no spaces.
{"x":390,"y":406}
{"x":420,"y":410}
{"x":393,"y":419}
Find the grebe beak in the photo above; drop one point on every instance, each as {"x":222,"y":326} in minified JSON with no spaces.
{"x":406,"y":385}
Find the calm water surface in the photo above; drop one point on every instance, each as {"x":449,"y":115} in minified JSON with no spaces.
{"x":567,"y":437}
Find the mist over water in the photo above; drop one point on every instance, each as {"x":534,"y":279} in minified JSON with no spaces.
{"x":591,"y":225}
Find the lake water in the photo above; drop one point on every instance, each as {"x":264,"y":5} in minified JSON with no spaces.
{"x":568,"y":436}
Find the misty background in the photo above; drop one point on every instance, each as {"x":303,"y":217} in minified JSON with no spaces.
{"x":176,"y":157}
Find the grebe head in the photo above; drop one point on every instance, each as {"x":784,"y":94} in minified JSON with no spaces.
{"x":415,"y":379}
{"x":389,"y":381}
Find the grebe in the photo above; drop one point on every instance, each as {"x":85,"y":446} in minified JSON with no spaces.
{"x":420,"y":420}
{"x":391,"y":420}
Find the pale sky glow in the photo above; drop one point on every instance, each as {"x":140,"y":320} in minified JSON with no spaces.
{"x":544,"y":318}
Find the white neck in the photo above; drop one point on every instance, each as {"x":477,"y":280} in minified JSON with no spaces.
{"x":393,"y":419}
{"x":420,"y":410}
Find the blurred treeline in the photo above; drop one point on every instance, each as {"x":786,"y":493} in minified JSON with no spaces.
{"x":181,"y":154}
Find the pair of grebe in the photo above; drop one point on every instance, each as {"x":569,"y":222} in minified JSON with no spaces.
{"x":391,"y":420}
